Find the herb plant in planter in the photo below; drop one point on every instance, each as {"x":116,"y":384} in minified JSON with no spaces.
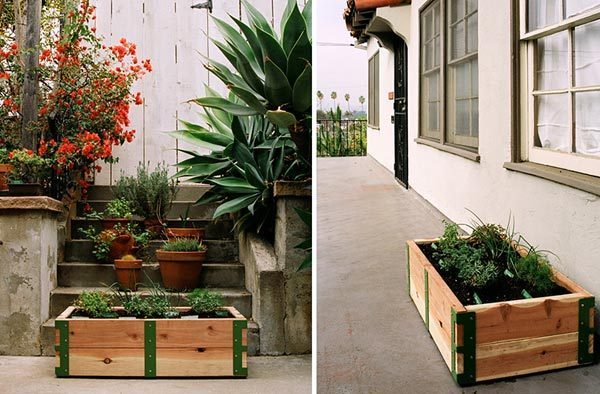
{"x":114,"y":243}
{"x":128,"y":269}
{"x":147,"y":336}
{"x":187,"y":229}
{"x":117,"y":212}
{"x":28,"y":169}
{"x":180,"y":262}
{"x":495,"y":307}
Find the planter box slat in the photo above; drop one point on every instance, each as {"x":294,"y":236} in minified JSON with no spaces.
{"x":501,"y":339}
{"x":152,"y":347}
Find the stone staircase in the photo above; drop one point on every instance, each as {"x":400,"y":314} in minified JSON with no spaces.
{"x":78,"y":270}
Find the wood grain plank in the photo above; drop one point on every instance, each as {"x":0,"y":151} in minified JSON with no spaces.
{"x":106,"y":362}
{"x":212,"y":361}
{"x":417,"y":281}
{"x":110,"y":333}
{"x":194,"y":334}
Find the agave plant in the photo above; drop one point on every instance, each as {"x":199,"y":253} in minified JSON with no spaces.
{"x":247,"y":155}
{"x":272,"y":73}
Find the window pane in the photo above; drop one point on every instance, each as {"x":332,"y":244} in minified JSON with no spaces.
{"x":475,"y":117}
{"x":457,"y":10}
{"x":433,"y":116}
{"x":463,"y":114}
{"x":587,"y":54}
{"x":474,"y":78}
{"x":436,"y":52}
{"x":552,"y":62}
{"x":587,"y":123}
{"x":553,"y":130}
{"x":463,"y":80}
{"x":427,"y":26}
{"x":436,"y":20}
{"x":575,"y":7}
{"x":433,"y":84}
{"x":472,"y":34}
{"x":457,"y":37}
{"x":471,"y":5}
{"x":543,"y":13}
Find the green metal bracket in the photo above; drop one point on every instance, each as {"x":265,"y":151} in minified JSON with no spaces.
{"x":426,"y":279}
{"x":583,"y":355}
{"x":150,"y":348}
{"x":467,"y":320}
{"x":239,"y":348}
{"x":408,"y":269}
{"x":62,"y":348}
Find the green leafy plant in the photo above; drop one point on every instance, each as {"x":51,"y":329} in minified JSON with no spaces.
{"x":4,"y":159}
{"x":154,"y":305}
{"x":536,"y":271}
{"x":103,"y":239}
{"x":118,"y":208}
{"x":184,"y":245}
{"x":28,"y":167}
{"x":337,"y":137}
{"x":205,"y":302}
{"x":150,"y":193}
{"x":95,"y":304}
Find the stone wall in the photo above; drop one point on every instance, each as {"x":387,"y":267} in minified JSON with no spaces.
{"x":28,"y":261}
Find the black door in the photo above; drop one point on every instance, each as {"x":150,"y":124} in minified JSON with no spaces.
{"x":400,"y":112}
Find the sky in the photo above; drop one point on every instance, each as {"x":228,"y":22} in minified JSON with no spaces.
{"x":340,"y":69}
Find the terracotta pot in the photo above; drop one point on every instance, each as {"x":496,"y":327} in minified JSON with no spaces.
{"x":154,"y":226}
{"x":5,"y":169}
{"x":109,"y":224}
{"x":128,"y":273}
{"x":195,"y":233}
{"x":121,"y":246}
{"x":180,"y":270}
{"x":25,"y":189}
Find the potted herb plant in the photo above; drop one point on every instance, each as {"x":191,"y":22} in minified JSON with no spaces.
{"x":5,"y":169}
{"x":180,"y":261}
{"x":187,"y":229}
{"x":128,"y":269}
{"x":117,"y":212}
{"x":151,"y":194}
{"x":495,"y":307}
{"x":114,"y":243}
{"x":28,"y":169}
{"x":150,"y":336}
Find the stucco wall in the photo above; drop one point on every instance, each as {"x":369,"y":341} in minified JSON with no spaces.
{"x":551,"y":216}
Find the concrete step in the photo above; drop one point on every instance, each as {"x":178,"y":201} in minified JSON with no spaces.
{"x":80,"y":250}
{"x":220,"y":229}
{"x":48,"y":337}
{"x":178,"y":209}
{"x":185,"y":192}
{"x":239,"y":297}
{"x":86,"y":274}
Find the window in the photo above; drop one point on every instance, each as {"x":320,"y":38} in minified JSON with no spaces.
{"x":560,"y":52}
{"x":449,"y":73}
{"x":373,"y":115}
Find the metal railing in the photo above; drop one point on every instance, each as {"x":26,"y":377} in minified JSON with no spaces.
{"x":337,"y":138}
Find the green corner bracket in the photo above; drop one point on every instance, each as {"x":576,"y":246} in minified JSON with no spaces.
{"x":426,"y":280}
{"x":150,"y":348}
{"x":238,"y":348}
{"x":467,"y":320}
{"x":408,"y":269}
{"x":584,"y":356}
{"x":63,"y":348}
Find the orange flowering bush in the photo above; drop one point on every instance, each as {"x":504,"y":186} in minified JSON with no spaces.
{"x":85,"y":98}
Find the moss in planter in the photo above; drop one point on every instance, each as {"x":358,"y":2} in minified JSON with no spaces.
{"x":486,"y":264}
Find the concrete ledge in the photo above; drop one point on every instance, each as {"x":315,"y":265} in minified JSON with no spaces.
{"x":31,"y":203}
{"x":292,"y":188}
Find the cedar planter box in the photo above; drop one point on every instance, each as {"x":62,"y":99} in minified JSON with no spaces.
{"x":501,"y":339}
{"x":151,"y":347}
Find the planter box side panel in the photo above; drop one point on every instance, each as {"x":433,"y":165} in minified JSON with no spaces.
{"x":416,"y":279}
{"x":103,"y":361}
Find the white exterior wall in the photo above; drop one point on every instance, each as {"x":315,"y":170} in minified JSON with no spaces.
{"x":172,"y":35}
{"x":551,"y":216}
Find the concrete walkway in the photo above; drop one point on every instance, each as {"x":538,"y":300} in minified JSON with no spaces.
{"x":370,"y":336}
{"x":291,"y":374}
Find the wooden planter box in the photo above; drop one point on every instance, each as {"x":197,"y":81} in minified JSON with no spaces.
{"x":497,"y":340}
{"x":151,"y":347}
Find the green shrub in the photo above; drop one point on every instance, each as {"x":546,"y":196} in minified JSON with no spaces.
{"x":156,"y":305}
{"x":184,"y":245}
{"x":535,"y":270}
{"x":95,"y":304}
{"x":204,"y":301}
{"x":118,"y":208}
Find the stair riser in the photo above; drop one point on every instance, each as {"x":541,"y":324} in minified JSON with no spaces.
{"x":178,"y":209}
{"x":218,"y":251}
{"x":214,"y":230}
{"x":94,"y":275}
{"x":243,"y":303}
{"x":185,"y":193}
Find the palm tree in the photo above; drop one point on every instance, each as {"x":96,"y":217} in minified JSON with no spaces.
{"x":362,"y":100}
{"x":334,"y":97}
{"x":320,"y":97}
{"x":347,"y":98}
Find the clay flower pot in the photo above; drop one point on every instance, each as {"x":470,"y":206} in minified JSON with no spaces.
{"x":154,"y":226}
{"x":180,"y":270}
{"x":128,"y":273}
{"x":195,"y":233}
{"x":5,"y":169}
{"x":109,"y":224}
{"x":121,"y":246}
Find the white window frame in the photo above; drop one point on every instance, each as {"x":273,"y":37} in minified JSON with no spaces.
{"x":572,"y":161}
{"x":373,"y":115}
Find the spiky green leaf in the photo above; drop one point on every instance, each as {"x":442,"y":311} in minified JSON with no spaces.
{"x":225,"y":105}
{"x":277,"y":88}
{"x":281,"y":118}
{"x":302,"y":91}
{"x":235,"y":205}
{"x":271,"y":49}
{"x":293,"y":29}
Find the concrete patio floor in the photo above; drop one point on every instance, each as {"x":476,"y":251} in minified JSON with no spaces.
{"x":370,"y":337}
{"x":290,"y":374}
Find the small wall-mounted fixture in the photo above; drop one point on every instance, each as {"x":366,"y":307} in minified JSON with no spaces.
{"x":207,"y":4}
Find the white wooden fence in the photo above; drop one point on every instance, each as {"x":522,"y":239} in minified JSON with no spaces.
{"x":172,"y":35}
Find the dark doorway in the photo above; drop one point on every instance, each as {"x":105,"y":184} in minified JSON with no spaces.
{"x":401,"y":111}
